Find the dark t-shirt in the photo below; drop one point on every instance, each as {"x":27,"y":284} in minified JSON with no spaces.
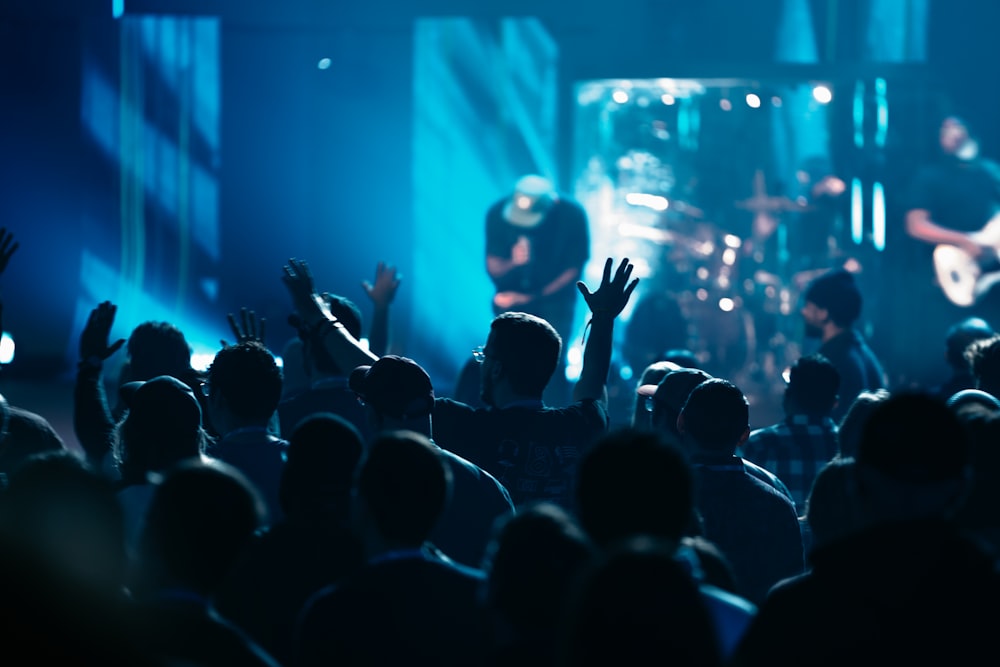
{"x":532,"y":450}
{"x":560,"y":241}
{"x":960,"y":195}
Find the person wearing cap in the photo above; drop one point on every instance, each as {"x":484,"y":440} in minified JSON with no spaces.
{"x":537,"y":243}
{"x":907,"y":586}
{"x":529,"y":447}
{"x":832,"y":304}
{"x":754,"y":524}
{"x":398,"y":394}
{"x":796,"y":448}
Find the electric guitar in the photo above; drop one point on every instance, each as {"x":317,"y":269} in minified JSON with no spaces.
{"x":964,"y":279}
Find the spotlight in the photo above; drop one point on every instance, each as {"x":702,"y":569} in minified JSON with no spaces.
{"x":667,"y":99}
{"x":620,"y":96}
{"x":822,"y":94}
{"x":324,"y":63}
{"x":6,"y":348}
{"x":753,"y":101}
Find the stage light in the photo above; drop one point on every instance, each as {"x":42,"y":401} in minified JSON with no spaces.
{"x":620,"y":96}
{"x":655,"y":202}
{"x":667,"y":99}
{"x":324,"y":63}
{"x":822,"y":94}
{"x":732,"y":241}
{"x":6,"y":348}
{"x":726,"y":304}
{"x":753,"y":101}
{"x":725,"y":104}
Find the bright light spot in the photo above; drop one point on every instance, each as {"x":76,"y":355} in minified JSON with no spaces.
{"x":732,"y":241}
{"x":726,"y":304}
{"x":625,"y":373}
{"x":524,"y":202}
{"x":6,"y":349}
{"x":655,"y":202}
{"x":117,"y":9}
{"x":725,"y":105}
{"x":620,"y":96}
{"x":702,"y":294}
{"x":753,"y":101}
{"x":723,"y":282}
{"x":324,"y":63}
{"x":776,"y":101}
{"x":200,"y":361}
{"x":729,"y":257}
{"x":822,"y":94}
{"x":667,"y":99}
{"x":574,"y":363}
{"x":702,"y":273}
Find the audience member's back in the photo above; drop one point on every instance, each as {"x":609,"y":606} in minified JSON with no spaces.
{"x":636,"y":604}
{"x":312,"y":547}
{"x":531,"y":567}
{"x":754,"y":524}
{"x":907,"y":588}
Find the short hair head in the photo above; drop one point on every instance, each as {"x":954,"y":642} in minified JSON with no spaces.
{"x":670,"y":394}
{"x":529,"y":348}
{"x":201,"y":517}
{"x":716,"y":415}
{"x":914,"y":437}
{"x":634,"y":482}
{"x":158,"y":348}
{"x":813,"y":383}
{"x":248,"y":377}
{"x":836,"y":292}
{"x":984,"y":360}
{"x":324,"y":451}
{"x":394,"y":386}
{"x":405,"y":483}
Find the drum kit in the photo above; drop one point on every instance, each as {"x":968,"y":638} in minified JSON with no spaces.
{"x":733,"y":291}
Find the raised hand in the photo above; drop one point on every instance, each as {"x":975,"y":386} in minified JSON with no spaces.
{"x":94,"y":338}
{"x":310,"y":308}
{"x":383,"y":290}
{"x":7,"y":248}
{"x":248,"y":329}
{"x":613,"y":294}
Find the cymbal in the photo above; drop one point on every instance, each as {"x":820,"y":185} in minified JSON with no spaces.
{"x":767,"y":204}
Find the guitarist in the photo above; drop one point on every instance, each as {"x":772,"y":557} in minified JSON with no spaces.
{"x":957,"y":195}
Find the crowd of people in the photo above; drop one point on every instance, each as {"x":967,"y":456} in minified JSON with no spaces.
{"x":340,"y":510}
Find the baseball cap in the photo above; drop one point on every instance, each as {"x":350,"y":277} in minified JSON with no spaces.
{"x":395,"y":386}
{"x":672,"y":391}
{"x":164,"y":401}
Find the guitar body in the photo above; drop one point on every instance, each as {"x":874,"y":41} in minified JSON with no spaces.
{"x":962,"y":278}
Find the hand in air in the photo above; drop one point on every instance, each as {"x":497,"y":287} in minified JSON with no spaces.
{"x":383,"y":290}
{"x":310,"y":308}
{"x":94,"y":338}
{"x":613,"y":294}
{"x":249,"y":328}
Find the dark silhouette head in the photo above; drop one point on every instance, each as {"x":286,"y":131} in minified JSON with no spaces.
{"x":838,"y":294}
{"x":162,"y":425}
{"x":201,"y":517}
{"x":404,"y":484}
{"x":323,"y":455}
{"x":716,"y":416}
{"x":984,"y":359}
{"x":248,"y":379}
{"x":669,"y":395}
{"x":158,"y":348}
{"x":634,"y":482}
{"x":853,"y":421}
{"x":531,"y":563}
{"x":962,"y":334}
{"x":395,"y":387}
{"x":813,"y":384}
{"x":528,"y":348}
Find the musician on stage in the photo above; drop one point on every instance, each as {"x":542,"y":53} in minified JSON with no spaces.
{"x":956,"y":195}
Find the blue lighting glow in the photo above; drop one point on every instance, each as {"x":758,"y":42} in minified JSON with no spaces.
{"x":859,"y":114}
{"x":857,"y":211}
{"x":881,"y":113}
{"x":878,"y":216}
{"x":6,"y":348}
{"x":117,"y":8}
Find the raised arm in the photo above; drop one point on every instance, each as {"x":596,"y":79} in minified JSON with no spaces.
{"x":315,"y":316}
{"x":381,"y":292}
{"x":92,"y":421}
{"x":605,"y":305}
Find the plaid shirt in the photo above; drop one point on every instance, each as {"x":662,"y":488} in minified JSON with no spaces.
{"x":794,"y":450}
